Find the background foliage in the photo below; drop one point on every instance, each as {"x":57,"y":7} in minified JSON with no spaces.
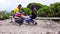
{"x":42,"y":10}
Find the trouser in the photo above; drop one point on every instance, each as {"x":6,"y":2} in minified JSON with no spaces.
{"x":30,"y":21}
{"x":20,"y":20}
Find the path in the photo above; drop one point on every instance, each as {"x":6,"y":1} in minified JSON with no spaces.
{"x":9,"y":28}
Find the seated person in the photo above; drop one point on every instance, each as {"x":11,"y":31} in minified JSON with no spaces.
{"x":18,"y":18}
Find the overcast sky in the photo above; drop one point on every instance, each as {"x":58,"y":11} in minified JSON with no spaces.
{"x":11,"y":4}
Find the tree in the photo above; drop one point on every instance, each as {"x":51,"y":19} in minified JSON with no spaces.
{"x":50,"y":11}
{"x":37,"y":5}
{"x":56,"y":8}
{"x":46,"y":12}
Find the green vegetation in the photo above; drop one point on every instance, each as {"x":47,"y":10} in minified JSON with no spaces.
{"x":42,"y":10}
{"x":46,"y":11}
{"x":4,"y":15}
{"x":27,"y":11}
{"x":37,"y":5}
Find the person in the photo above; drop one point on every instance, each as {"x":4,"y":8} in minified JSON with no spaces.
{"x":31,"y":18}
{"x":17,"y":9}
{"x":34,"y":15}
{"x":18,"y":15}
{"x":19,"y":18}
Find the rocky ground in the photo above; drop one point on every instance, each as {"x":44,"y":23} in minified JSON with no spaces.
{"x":41,"y":28}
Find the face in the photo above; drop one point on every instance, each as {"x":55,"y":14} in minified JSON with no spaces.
{"x":19,"y":6}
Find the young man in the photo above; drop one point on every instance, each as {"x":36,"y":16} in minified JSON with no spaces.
{"x":18,"y":15}
{"x":32,"y":17}
{"x":19,"y":18}
{"x":17,"y":9}
{"x":34,"y":13}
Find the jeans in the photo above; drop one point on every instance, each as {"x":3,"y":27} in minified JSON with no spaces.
{"x":30,"y":21}
{"x":20,"y":20}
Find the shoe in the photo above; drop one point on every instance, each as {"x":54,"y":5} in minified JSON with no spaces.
{"x":35,"y":23}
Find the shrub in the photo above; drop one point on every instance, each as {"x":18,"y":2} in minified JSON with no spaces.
{"x":56,"y":8}
{"x":42,"y":12}
{"x":27,"y":11}
{"x":4,"y":15}
{"x":37,"y":5}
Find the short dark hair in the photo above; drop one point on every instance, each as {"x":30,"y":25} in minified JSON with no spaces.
{"x":19,"y":5}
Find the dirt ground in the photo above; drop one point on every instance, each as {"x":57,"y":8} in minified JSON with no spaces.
{"x":42,"y":27}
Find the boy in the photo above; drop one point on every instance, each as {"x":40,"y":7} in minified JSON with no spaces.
{"x":16,"y":10}
{"x":19,"y":18}
{"x":34,"y":15}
